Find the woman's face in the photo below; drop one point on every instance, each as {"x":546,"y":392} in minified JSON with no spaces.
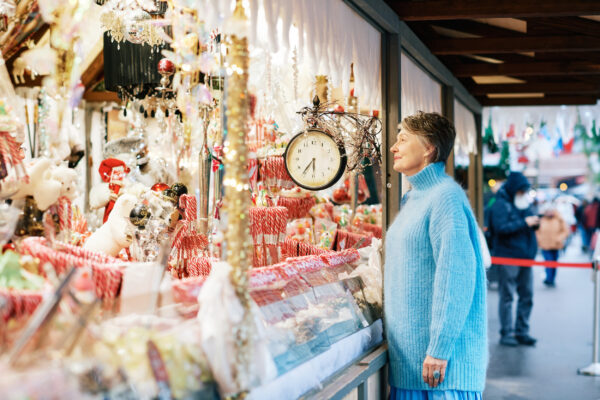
{"x":411,"y":154}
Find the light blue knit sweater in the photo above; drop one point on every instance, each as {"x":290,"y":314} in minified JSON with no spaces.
{"x":435,"y":288}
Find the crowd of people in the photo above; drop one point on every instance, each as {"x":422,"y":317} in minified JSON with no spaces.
{"x":518,"y":226}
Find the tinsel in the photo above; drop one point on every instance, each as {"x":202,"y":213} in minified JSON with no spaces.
{"x":237,"y":191}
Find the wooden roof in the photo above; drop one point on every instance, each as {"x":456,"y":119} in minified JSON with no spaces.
{"x":519,"y":52}
{"x":27,"y":30}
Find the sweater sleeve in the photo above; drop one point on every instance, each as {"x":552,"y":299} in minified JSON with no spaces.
{"x":504,"y":220}
{"x":455,"y":274}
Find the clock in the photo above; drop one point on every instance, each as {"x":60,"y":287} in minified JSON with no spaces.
{"x":314,"y":160}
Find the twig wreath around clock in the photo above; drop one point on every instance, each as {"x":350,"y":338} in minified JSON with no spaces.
{"x":356,"y":137}
{"x":314,"y":159}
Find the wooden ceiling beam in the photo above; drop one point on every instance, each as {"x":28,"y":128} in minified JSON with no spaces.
{"x":506,"y":57}
{"x":472,"y":27}
{"x":106,"y":96}
{"x":510,"y":45}
{"x":429,"y":10}
{"x":591,"y":56}
{"x":539,"y":101}
{"x":573,"y":25}
{"x":562,"y":88}
{"x":94,"y":72}
{"x":526,"y":69}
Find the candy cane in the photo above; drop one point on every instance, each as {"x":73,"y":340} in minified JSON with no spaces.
{"x":65,"y":213}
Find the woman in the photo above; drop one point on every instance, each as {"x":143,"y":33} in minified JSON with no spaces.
{"x":551,"y":236}
{"x":435,"y":289}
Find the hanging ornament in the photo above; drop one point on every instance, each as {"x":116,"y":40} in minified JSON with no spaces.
{"x":136,"y":26}
{"x":139,"y":216}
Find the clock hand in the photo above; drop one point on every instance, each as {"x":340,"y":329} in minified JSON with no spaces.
{"x":313,"y":163}
{"x":307,"y":167}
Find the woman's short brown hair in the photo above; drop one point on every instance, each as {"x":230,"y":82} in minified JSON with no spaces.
{"x":435,"y":129}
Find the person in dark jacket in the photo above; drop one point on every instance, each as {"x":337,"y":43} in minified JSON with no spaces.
{"x":512,"y":225}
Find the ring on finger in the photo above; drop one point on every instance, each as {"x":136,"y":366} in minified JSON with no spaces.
{"x":436,"y":375}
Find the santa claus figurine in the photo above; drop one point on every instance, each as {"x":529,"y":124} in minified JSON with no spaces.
{"x":112,"y":171}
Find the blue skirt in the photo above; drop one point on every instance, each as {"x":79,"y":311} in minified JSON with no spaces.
{"x":404,"y":394}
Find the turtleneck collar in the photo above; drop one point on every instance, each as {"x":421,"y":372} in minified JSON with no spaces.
{"x":428,"y":177}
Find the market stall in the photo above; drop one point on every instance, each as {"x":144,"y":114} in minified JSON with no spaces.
{"x":212,"y":226}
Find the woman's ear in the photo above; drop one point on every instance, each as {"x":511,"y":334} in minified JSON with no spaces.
{"x":430,"y":153}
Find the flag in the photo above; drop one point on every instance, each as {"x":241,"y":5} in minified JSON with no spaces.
{"x":568,"y":146}
{"x":488,"y":137}
{"x":558,"y":146}
{"x":511,"y":131}
{"x":544,"y":131}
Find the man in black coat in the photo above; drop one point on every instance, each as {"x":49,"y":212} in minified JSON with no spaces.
{"x":512,"y":225}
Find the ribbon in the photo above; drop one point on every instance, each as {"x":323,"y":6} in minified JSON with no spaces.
{"x":521,"y":262}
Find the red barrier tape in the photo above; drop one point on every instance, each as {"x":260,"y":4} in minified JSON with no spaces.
{"x":530,"y":263}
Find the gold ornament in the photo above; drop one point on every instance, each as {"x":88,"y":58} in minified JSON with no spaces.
{"x":237,"y":191}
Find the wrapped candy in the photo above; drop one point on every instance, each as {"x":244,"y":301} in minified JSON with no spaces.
{"x":363,"y":227}
{"x":368,"y":214}
{"x":322,"y":210}
{"x":324,"y":233}
{"x":122,"y":343}
{"x":342,"y":215}
{"x":347,"y":239}
{"x":301,"y":229}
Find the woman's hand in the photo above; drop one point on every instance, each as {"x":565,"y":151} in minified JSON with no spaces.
{"x":430,"y":365}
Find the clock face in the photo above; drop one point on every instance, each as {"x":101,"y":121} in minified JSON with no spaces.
{"x":314,"y":160}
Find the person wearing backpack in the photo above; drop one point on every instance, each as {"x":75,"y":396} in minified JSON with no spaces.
{"x":551,"y":236}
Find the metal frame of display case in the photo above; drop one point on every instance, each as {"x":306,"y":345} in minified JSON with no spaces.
{"x":355,"y":376}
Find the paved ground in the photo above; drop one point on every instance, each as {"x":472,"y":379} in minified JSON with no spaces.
{"x":562,"y":322}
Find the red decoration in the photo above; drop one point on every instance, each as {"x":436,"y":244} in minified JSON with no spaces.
{"x":113,"y":171}
{"x":338,"y":109}
{"x":568,"y":146}
{"x":166,"y":67}
{"x":253,"y":99}
{"x":159,"y":187}
{"x":8,"y":246}
{"x":511,"y":131}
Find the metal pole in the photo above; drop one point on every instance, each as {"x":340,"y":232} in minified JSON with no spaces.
{"x":594,"y":368}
